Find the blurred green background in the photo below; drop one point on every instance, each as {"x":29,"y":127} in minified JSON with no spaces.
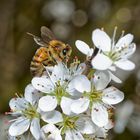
{"x":69,"y":20}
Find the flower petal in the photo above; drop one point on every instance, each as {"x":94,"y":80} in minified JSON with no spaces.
{"x":112,"y":95}
{"x":83,"y":47}
{"x":101,"y":79}
{"x":114,"y":78}
{"x":128,"y":51}
{"x":110,"y":125}
{"x":59,"y":73}
{"x":101,"y":133}
{"x":125,"y":64}
{"x":80,"y":69}
{"x":55,"y":133}
{"x":73,"y":135}
{"x":86,"y":126}
{"x":112,"y":68}
{"x":65,"y":105}
{"x":43,"y":84}
{"x":54,"y":136}
{"x":18,"y":104}
{"x":80,"y":105}
{"x":52,"y":117}
{"x":19,"y":127}
{"x":31,"y":94}
{"x":49,"y":128}
{"x":71,"y":89}
{"x":99,"y":115}
{"x":47,"y":103}
{"x":101,"y":62}
{"x":101,"y":40}
{"x":124,"y":41}
{"x":35,"y":128}
{"x":81,"y":83}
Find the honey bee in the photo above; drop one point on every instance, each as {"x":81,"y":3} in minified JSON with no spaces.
{"x":50,"y":52}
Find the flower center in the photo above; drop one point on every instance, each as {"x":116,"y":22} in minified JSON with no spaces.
{"x":30,"y":112}
{"x":60,"y":91}
{"x":88,"y":137}
{"x":112,"y":55}
{"x":93,"y":96}
{"x":116,"y":53}
{"x":68,"y":123}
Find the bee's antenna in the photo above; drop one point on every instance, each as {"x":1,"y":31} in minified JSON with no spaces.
{"x":30,"y":34}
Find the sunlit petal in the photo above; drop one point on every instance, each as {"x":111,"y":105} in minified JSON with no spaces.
{"x":101,"y":40}
{"x":83,"y":47}
{"x":101,"y":62}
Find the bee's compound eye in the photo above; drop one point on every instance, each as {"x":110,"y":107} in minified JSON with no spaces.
{"x":64,"y":51}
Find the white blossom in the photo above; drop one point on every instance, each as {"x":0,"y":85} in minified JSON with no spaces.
{"x":96,"y":97}
{"x":73,"y":127}
{"x":27,"y":113}
{"x":58,"y":87}
{"x":113,"y":53}
{"x":85,"y":49}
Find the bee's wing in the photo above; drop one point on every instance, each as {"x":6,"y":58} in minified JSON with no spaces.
{"x":37,"y":39}
{"x":46,"y":34}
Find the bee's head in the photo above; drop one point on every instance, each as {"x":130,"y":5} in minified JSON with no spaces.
{"x":60,"y":50}
{"x":66,"y":52}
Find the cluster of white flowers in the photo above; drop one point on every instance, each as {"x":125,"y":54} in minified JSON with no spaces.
{"x":67,"y":104}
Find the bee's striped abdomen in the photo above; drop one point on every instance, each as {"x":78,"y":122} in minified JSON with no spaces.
{"x":40,"y":56}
